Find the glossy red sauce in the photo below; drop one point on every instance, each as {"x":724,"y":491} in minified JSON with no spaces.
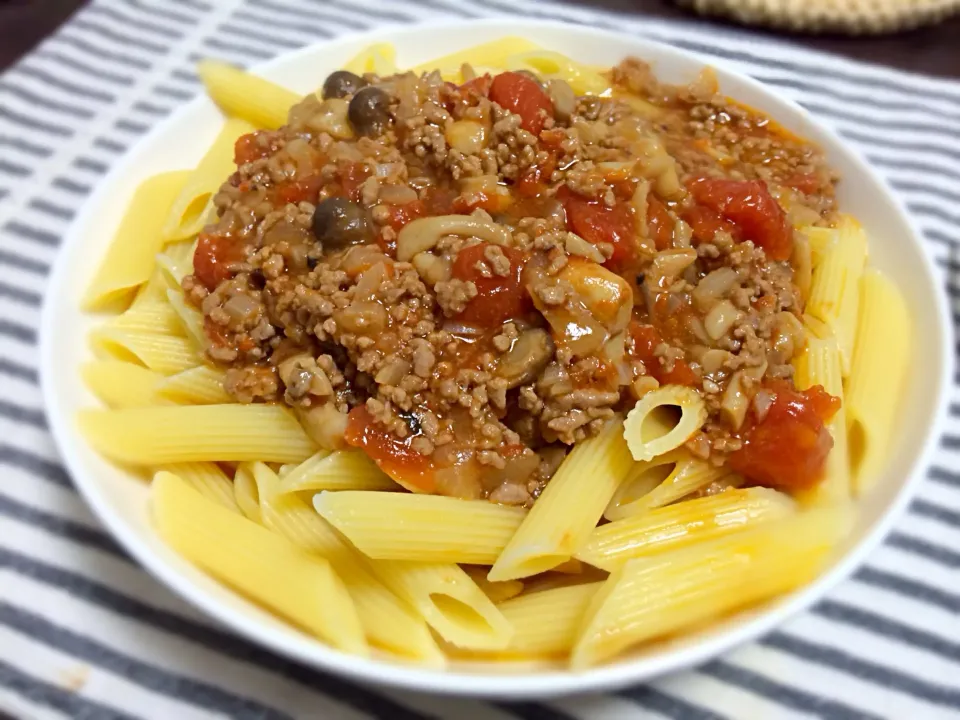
{"x":391,"y":454}
{"x":499,"y":297}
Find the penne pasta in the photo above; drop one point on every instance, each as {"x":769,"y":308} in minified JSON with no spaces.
{"x":819,"y":364}
{"x":379,"y":59}
{"x":152,"y":318}
{"x":200,"y":385}
{"x":207,"y":479}
{"x":166,"y":354}
{"x":337,"y":470}
{"x":686,"y":523}
{"x":187,"y":433}
{"x":835,"y":289}
{"x":876,"y":377}
{"x":661,"y":481}
{"x":656,"y":596}
{"x":176,"y":262}
{"x":242,"y":95}
{"x":388,"y":622}
{"x":545,"y":623}
{"x":569,"y":507}
{"x":428,"y":528}
{"x":650,"y":430}
{"x":245,"y":492}
{"x":121,"y":384}
{"x":263,"y":566}
{"x":189,"y":320}
{"x":553,"y":65}
{"x":491,"y":54}
{"x":193,"y":206}
{"x":496,"y":591}
{"x":130,"y":258}
{"x":449,"y":601}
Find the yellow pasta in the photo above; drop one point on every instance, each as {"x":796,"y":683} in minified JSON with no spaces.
{"x":176,"y":262}
{"x":835,"y":290}
{"x":129,"y":261}
{"x":819,"y":364}
{"x":260,"y":564}
{"x":337,"y":470}
{"x":166,"y":354}
{"x":449,"y":601}
{"x":121,"y":384}
{"x":661,"y":481}
{"x":658,"y":595}
{"x":154,"y":290}
{"x":207,"y":479}
{"x":876,"y":377}
{"x":685,"y":523}
{"x":549,"y":65}
{"x":187,"y":433}
{"x":545,"y":623}
{"x":496,"y":591}
{"x":193,"y":206}
{"x":428,"y":528}
{"x":239,"y":94}
{"x":650,"y":429}
{"x":189,"y":319}
{"x":245,"y":492}
{"x":379,"y":59}
{"x":569,"y":507}
{"x":388,"y":622}
{"x":156,"y":318}
{"x":491,"y":54}
{"x":200,"y":385}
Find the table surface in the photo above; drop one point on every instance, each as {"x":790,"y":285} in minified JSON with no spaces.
{"x":24,"y":23}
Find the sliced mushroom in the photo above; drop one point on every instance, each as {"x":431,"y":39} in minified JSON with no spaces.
{"x":528,"y":355}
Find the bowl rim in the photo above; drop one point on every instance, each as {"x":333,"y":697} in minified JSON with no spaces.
{"x":451,"y":682}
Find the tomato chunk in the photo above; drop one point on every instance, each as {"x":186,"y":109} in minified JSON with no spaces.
{"x":788,"y":449}
{"x":597,"y":223}
{"x":659,"y":223}
{"x":352,"y":176}
{"x":296,"y":191}
{"x":521,"y":95}
{"x":535,"y":180}
{"x":643,"y":341}
{"x":499,"y":297}
{"x":247,"y":148}
{"x":480,"y":85}
{"x":749,"y":205}
{"x":212,"y":258}
{"x":400,"y":215}
{"x":705,"y":223}
{"x":392,"y":454}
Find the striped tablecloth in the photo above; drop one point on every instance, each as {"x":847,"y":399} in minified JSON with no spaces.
{"x":84,"y":633}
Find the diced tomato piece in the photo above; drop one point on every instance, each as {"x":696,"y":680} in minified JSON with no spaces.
{"x":439,"y":201}
{"x":392,"y":454}
{"x":499,"y":297}
{"x":491,"y":202}
{"x":352,"y":176}
{"x":480,"y":85}
{"x":788,"y":449}
{"x":213,"y":256}
{"x":523,"y":96}
{"x":552,"y":139}
{"x":643,"y":341}
{"x":247,"y":148}
{"x":535,"y":180}
{"x":706,"y":223}
{"x":400,"y":215}
{"x":597,"y":223}
{"x":295,"y":191}
{"x":749,"y":205}
{"x":659,"y":223}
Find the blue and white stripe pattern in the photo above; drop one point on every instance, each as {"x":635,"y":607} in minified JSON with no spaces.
{"x":84,"y":633}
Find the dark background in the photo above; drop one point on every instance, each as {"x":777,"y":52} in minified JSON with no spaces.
{"x":934,"y":50}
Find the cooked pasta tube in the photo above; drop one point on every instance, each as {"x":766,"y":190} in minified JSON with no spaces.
{"x":545,"y":623}
{"x":651,"y":431}
{"x":130,"y":261}
{"x":186,"y":433}
{"x":388,"y":622}
{"x":193,"y":206}
{"x":449,"y":600}
{"x":819,"y":364}
{"x":260,"y":102}
{"x":685,"y":523}
{"x":379,"y":58}
{"x":876,"y":377}
{"x":568,"y":509}
{"x":167,"y":354}
{"x":121,"y":384}
{"x":200,"y":385}
{"x":245,"y":492}
{"x":151,"y":318}
{"x":207,"y":479}
{"x":428,"y":528}
{"x":491,"y":54}
{"x":496,"y":591}
{"x":835,"y":289}
{"x":176,"y":262}
{"x":337,"y":470}
{"x":661,"y":481}
{"x":260,"y":564}
{"x":189,"y":319}
{"x":656,"y":596}
{"x":553,"y":65}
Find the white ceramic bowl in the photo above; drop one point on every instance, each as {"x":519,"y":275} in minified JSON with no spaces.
{"x":121,"y":500}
